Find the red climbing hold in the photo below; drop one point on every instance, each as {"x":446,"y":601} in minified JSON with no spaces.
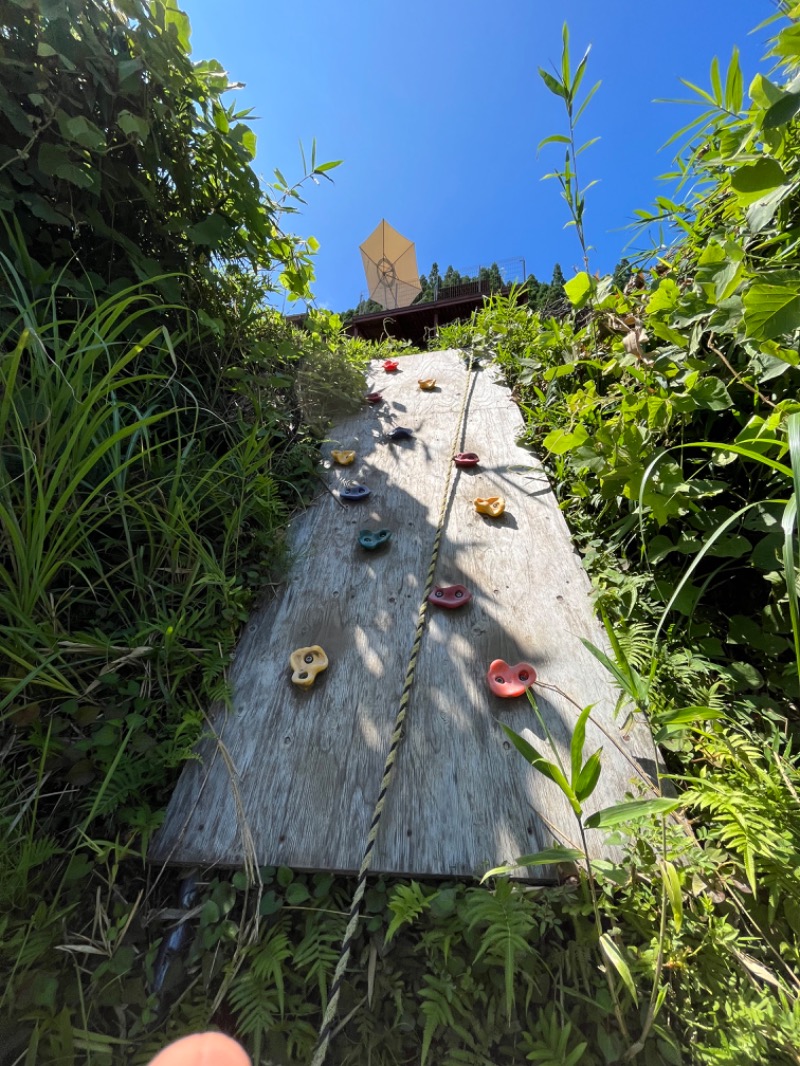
{"x":509,"y":681}
{"x":466,"y":459}
{"x":373,"y":397}
{"x":450,"y":596}
{"x":390,"y":365}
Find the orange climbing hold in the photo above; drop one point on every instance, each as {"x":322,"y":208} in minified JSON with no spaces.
{"x":510,"y":681}
{"x":493,"y":506}
{"x":343,"y":458}
{"x":427,"y":384}
{"x":306,"y":663}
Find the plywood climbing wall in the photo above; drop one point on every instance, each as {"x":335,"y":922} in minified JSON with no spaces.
{"x":292,"y":775}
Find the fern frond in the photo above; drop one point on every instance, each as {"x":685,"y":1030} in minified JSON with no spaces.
{"x":508,"y":923}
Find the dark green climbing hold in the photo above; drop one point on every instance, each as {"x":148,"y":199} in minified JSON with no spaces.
{"x":372,"y":539}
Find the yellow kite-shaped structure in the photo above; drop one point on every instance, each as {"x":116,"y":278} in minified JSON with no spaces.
{"x":390,"y":264}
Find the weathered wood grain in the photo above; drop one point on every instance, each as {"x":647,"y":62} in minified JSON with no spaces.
{"x":294,"y":774}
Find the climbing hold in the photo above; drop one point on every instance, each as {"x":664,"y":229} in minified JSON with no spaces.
{"x":493,"y":506}
{"x":450,"y":596}
{"x":374,"y":397}
{"x":343,"y":458}
{"x":427,"y":384}
{"x":466,"y":459}
{"x":306,"y":663}
{"x":401,"y":433}
{"x":354,"y":491}
{"x":509,"y":681}
{"x":370,"y":540}
{"x":390,"y":365}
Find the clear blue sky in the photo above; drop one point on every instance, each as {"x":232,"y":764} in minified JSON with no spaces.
{"x":437,"y":108}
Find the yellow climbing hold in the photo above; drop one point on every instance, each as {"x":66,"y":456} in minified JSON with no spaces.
{"x":343,"y":458}
{"x":493,"y":506}
{"x":427,"y":384}
{"x":306,"y":663}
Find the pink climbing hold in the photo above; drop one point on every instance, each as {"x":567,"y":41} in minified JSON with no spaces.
{"x":510,"y":681}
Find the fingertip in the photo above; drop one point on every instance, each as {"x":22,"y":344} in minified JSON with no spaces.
{"x":202,"y":1049}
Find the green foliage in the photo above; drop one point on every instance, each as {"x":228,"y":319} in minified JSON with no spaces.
{"x":121,"y":161}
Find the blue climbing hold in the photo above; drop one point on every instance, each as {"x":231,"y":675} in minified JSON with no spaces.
{"x":401,"y":433}
{"x":372,"y":539}
{"x":354,"y":492}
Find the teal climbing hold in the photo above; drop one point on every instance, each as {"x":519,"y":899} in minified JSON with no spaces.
{"x":372,"y":539}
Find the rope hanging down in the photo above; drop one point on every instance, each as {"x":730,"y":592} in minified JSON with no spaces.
{"x":329,"y":1019}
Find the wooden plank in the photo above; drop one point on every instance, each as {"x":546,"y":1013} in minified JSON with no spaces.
{"x":294,"y":774}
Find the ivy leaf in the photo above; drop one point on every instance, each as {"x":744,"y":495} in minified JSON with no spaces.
{"x":772,"y":309}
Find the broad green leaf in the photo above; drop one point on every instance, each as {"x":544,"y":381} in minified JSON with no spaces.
{"x":547,"y":857}
{"x":614,"y":956}
{"x":772,"y":309}
{"x":83,"y":132}
{"x":764,"y":93}
{"x":51,"y":157}
{"x":631,"y":811}
{"x":665,"y":298}
{"x":210,"y":231}
{"x":248,"y":140}
{"x":711,"y":393}
{"x":782,"y":111}
{"x":753,"y":181}
{"x":761,"y":213}
{"x":579,"y":289}
{"x":672,"y":886}
{"x":177,"y":22}
{"x":560,"y":441}
{"x":133,"y":125}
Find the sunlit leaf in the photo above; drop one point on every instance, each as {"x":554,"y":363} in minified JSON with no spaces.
{"x":614,"y":956}
{"x":631,"y":811}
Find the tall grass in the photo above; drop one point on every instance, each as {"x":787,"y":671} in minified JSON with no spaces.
{"x":134,"y":532}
